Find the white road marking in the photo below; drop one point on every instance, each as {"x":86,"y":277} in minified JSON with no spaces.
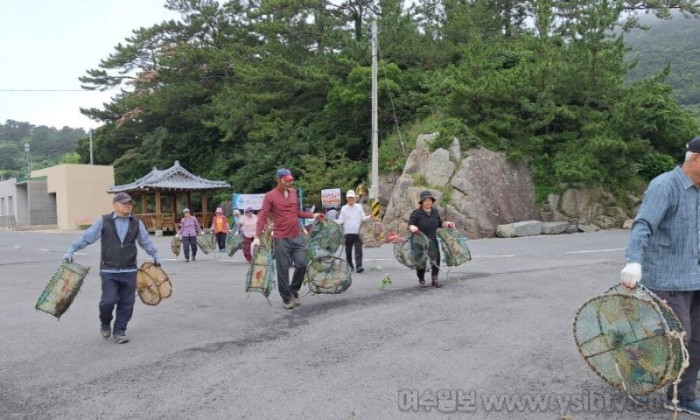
{"x":595,"y":250}
{"x":494,"y":256}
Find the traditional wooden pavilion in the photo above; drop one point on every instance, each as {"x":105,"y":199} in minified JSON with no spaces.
{"x":160,"y":196}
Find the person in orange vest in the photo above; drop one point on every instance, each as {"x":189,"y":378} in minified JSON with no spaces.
{"x":219,"y":226}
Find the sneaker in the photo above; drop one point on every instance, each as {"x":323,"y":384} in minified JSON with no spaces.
{"x":685,"y":406}
{"x":295,"y":299}
{"x":352,"y":268}
{"x":187,"y":260}
{"x":288,"y":305}
{"x":105,"y":331}
{"x":193,"y":258}
{"x":360,"y":269}
{"x":422,"y":283}
{"x":120,"y":338}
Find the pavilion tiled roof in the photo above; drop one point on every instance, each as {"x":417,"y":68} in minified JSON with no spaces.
{"x":172,"y":179}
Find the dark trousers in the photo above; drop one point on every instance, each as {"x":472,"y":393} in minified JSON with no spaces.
{"x":221,"y":240}
{"x":187,"y":243}
{"x":686,"y":306}
{"x":117,"y":289}
{"x":246,"y":248}
{"x":353,"y":240}
{"x":435,"y":267}
{"x":286,"y":251}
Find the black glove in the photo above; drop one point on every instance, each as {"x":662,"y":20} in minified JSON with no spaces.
{"x":156,"y":263}
{"x":67,"y":260}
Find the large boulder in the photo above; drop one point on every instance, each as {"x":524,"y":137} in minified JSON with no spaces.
{"x":438,"y":168}
{"x":553,"y":228}
{"x":455,"y":151}
{"x":387,"y":183}
{"x":482,"y":189}
{"x":528,"y":228}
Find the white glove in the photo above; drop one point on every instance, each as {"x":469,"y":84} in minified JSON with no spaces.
{"x":413,"y":229}
{"x":254,"y":244}
{"x":631,"y":274}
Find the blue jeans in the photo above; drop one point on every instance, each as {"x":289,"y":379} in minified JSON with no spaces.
{"x":117,"y":289}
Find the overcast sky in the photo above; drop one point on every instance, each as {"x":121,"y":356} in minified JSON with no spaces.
{"x":48,"y":44}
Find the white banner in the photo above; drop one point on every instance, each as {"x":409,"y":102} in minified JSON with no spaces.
{"x":243,"y":201}
{"x":330,"y":197}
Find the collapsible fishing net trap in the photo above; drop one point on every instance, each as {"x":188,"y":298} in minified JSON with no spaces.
{"x":260,"y":277}
{"x":207,"y":242}
{"x":176,"y":245}
{"x":233,"y":243}
{"x":329,"y":274}
{"x":631,"y":339}
{"x":325,"y":239}
{"x":454,"y":247}
{"x":373,"y":233}
{"x":417,"y":251}
{"x":152,"y":284}
{"x":62,"y":288}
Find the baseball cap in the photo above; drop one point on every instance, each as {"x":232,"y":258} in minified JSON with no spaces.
{"x":185,"y":210}
{"x":285,"y":174}
{"x":122,"y":197}
{"x":350,"y":194}
{"x":248,"y":209}
{"x":693,"y":145}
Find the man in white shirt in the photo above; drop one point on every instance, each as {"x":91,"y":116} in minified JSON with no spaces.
{"x":351,"y":217}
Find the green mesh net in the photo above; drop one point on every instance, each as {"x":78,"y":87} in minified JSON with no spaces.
{"x":261,"y":272}
{"x":176,"y":245}
{"x":328,"y":274}
{"x":416,"y":252}
{"x":233,"y":243}
{"x":631,"y":339}
{"x":207,"y":242}
{"x":325,"y":239}
{"x":373,"y":233}
{"x":454,"y":247}
{"x":62,"y":288}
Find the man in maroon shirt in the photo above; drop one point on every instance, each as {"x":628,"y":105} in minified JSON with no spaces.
{"x":282,"y":205}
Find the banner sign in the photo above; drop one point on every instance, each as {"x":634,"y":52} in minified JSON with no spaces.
{"x":243,"y":201}
{"x":330,"y":197}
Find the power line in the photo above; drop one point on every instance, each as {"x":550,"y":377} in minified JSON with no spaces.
{"x":45,"y":90}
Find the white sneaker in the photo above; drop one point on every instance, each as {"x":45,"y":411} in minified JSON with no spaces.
{"x":288,"y":305}
{"x":296,"y":301}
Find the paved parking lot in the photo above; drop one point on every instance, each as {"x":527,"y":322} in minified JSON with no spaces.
{"x":500,"y":328}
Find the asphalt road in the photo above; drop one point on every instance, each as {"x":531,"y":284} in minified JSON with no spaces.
{"x":499,"y":330}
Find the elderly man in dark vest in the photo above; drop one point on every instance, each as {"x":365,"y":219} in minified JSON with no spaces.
{"x":119,"y":231}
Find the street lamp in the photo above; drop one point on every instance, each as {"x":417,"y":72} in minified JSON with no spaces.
{"x":29,"y":162}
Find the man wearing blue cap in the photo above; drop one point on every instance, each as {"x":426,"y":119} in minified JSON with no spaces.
{"x":663,"y":254}
{"x":282,"y":205}
{"x":119,"y":231}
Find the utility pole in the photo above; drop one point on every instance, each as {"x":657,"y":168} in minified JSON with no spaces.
{"x":374,"y":175}
{"x":91,"y":146}
{"x":29,"y":161}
